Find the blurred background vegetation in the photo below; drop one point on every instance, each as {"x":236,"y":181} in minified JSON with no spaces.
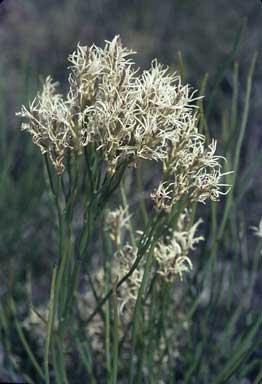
{"x":195,"y":37}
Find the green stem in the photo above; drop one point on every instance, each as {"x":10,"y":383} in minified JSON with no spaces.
{"x":115,"y":337}
{"x":125,"y":204}
{"x":229,"y":200}
{"x":139,"y":183}
{"x":138,"y":308}
{"x":50,"y":325}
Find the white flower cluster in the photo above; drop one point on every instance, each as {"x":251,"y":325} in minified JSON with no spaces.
{"x":116,"y":222}
{"x":50,"y":122}
{"x":171,"y":259}
{"x":194,"y":172}
{"x":172,"y":254}
{"x":127,"y":115}
{"x":128,"y":291}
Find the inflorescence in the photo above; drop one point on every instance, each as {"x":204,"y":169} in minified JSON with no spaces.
{"x":128,"y":115}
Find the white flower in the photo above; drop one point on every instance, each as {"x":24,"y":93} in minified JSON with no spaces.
{"x":50,"y":123}
{"x":162,"y":196}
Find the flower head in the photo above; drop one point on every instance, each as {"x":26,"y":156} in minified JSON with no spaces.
{"x":172,"y":253}
{"x":128,"y":115}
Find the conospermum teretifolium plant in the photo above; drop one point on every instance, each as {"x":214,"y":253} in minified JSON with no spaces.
{"x":114,"y":117}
